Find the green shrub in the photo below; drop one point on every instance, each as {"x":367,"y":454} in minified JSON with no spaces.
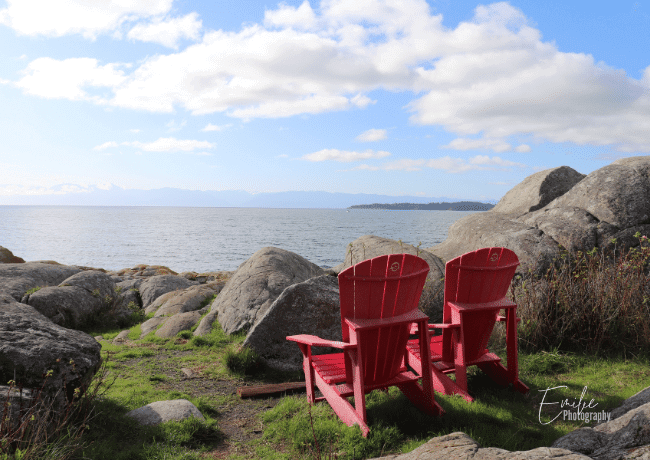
{"x":594,"y":302}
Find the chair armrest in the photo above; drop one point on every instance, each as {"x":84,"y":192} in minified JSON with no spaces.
{"x":444,"y":326}
{"x":315,"y":341}
{"x":497,"y":304}
{"x":406,"y":318}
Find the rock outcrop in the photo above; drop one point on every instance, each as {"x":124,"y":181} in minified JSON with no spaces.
{"x":625,"y":436}
{"x":538,"y":190}
{"x":459,"y":446}
{"x":557,"y":207}
{"x":31,"y":345}
{"x":155,"y":286}
{"x":177,"y":323}
{"x":7,"y":257}
{"x":255,"y":285}
{"x":17,"y":279}
{"x":77,"y":301}
{"x":311,"y":307}
{"x":165,"y":411}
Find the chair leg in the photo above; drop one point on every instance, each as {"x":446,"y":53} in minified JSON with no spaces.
{"x":341,"y":406}
{"x":416,"y":394}
{"x":309,"y":373}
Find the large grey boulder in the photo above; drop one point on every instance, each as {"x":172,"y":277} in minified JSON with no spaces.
{"x":625,"y":436}
{"x":177,"y":323}
{"x":370,"y":246}
{"x":538,"y":190}
{"x":151,"y":325}
{"x":7,"y":257}
{"x":155,"y":286}
{"x":459,"y":446}
{"x":77,"y":301}
{"x":311,"y":307}
{"x":256,"y":284}
{"x":611,"y":202}
{"x":17,"y":279}
{"x":165,"y":411}
{"x":31,"y":345}
{"x":189,"y":299}
{"x":533,"y":247}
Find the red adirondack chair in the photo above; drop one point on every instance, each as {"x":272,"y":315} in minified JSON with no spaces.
{"x":476,"y":285}
{"x":379,"y":300}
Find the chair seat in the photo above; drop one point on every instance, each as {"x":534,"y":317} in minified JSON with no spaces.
{"x":436,"y":355}
{"x":331,"y":368}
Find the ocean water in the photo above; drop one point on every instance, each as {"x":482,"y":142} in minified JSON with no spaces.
{"x":203,"y":239}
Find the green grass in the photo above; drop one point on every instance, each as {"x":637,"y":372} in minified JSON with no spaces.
{"x":498,"y":417}
{"x":585,"y":327}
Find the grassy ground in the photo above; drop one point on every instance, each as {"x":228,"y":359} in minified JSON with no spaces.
{"x":611,"y":297}
{"x":144,"y":371}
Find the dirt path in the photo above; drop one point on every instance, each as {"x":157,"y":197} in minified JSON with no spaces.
{"x":238,"y":418}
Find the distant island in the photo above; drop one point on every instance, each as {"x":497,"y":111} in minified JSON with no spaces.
{"x":458,"y":206}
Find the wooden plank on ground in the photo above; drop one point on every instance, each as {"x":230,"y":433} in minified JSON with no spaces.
{"x":270,"y":389}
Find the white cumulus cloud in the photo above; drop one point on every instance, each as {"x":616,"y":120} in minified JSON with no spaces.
{"x":168,"y":31}
{"x":492,"y":76}
{"x":69,"y":78}
{"x":57,"y":18}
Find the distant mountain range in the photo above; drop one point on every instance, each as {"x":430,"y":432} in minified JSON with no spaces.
{"x":456,"y":206}
{"x":74,"y":195}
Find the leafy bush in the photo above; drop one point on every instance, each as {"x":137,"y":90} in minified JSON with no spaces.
{"x":590,"y":302}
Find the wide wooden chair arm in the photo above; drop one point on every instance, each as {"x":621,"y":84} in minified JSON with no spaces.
{"x":314,"y":341}
{"x":415,"y":328}
{"x":365,"y":324}
{"x":497,"y":304}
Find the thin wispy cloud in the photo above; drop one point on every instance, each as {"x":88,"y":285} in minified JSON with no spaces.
{"x":211,"y":127}
{"x":344,"y":156}
{"x":163,"y":144}
{"x":447,"y":164}
{"x":372,"y":135}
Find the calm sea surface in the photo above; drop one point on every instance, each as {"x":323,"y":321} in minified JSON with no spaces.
{"x":203,"y":239}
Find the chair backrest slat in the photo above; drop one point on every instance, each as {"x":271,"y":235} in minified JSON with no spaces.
{"x":383,"y":287}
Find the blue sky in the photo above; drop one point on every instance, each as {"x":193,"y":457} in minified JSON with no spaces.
{"x":396,"y":97}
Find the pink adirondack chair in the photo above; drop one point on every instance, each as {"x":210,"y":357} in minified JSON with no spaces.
{"x":476,"y":285}
{"x":379,"y":300}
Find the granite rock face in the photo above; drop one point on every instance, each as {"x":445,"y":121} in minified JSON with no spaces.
{"x":255,"y":285}
{"x":459,"y":446}
{"x":311,"y":307}
{"x":17,"y":279}
{"x":31,"y":345}
{"x":77,"y":301}
{"x":189,"y":299}
{"x":625,"y":436}
{"x":560,"y":207}
{"x":538,"y":190}
{"x":155,"y":286}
